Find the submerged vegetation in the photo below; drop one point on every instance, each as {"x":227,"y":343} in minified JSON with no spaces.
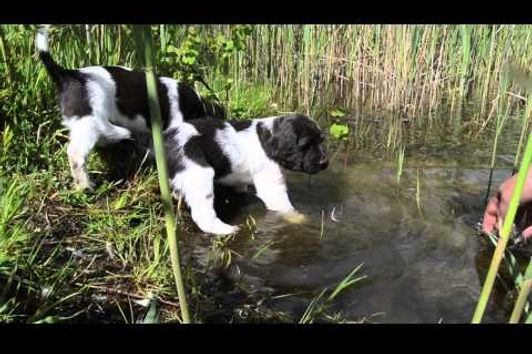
{"x":68,"y":256}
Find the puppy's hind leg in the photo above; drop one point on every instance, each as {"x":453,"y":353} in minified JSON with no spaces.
{"x":114,"y":133}
{"x":197,"y":185}
{"x":84,"y":134}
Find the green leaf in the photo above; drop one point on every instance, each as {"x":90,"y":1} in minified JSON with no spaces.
{"x":48,"y":320}
{"x":229,"y":45}
{"x":121,"y":202}
{"x":337,"y":113}
{"x":339,"y":131}
{"x":346,"y":282}
{"x":188,"y":60}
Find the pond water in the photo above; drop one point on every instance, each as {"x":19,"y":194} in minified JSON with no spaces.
{"x":417,"y":240}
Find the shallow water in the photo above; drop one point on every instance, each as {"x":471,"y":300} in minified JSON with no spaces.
{"x":424,"y":264}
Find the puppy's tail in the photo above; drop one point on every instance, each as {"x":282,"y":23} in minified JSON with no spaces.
{"x":214,"y":109}
{"x":56,"y":72}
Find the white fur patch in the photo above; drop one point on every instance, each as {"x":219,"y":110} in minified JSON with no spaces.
{"x":176,"y":116}
{"x":227,"y":139}
{"x":41,"y":40}
{"x":185,"y":132}
{"x":196,"y":185}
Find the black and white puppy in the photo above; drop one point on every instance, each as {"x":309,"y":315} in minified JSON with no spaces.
{"x":107,"y":104}
{"x":205,"y":151}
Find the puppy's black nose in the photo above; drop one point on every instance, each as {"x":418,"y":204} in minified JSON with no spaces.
{"x":324,"y":163}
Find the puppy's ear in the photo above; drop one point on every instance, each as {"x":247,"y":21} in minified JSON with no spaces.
{"x":263,"y":132}
{"x":304,"y":140}
{"x":267,"y":140}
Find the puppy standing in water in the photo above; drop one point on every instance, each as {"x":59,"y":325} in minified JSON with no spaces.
{"x":205,"y":151}
{"x":102,"y":105}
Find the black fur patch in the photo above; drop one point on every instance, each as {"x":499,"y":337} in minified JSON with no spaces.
{"x":190,"y":104}
{"x":73,"y":96}
{"x":266,"y":140}
{"x":193,"y":106}
{"x":240,"y":124}
{"x":71,"y":87}
{"x":174,"y":153}
{"x":132,"y":94}
{"x":295,"y":143}
{"x":204,"y":150}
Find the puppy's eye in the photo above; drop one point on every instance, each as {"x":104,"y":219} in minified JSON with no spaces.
{"x":304,"y":142}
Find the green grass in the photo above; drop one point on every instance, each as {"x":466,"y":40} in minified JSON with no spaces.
{"x":319,"y":306}
{"x":400,"y":164}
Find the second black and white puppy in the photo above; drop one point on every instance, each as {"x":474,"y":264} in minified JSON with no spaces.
{"x":202,"y":152}
{"x":107,"y":104}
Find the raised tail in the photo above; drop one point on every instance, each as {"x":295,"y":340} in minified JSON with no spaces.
{"x":214,"y":109}
{"x":56,"y":72}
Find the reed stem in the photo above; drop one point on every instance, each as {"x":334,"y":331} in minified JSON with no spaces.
{"x":3,"y":50}
{"x":505,"y":233}
{"x":523,"y":295}
{"x":144,"y":33}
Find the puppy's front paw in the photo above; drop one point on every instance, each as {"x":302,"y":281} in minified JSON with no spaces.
{"x":294,"y":217}
{"x":220,"y":228}
{"x":86,"y":186}
{"x":228,"y":229}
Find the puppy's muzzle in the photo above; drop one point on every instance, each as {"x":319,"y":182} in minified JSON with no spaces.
{"x":324,"y":162}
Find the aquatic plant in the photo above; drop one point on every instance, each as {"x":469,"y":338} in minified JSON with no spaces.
{"x":319,"y":304}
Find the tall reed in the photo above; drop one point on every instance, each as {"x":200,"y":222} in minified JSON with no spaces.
{"x":393,"y":67}
{"x":505,"y":233}
{"x":524,"y":81}
{"x":520,"y":303}
{"x":525,"y":119}
{"x":500,"y":123}
{"x":144,"y":34}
